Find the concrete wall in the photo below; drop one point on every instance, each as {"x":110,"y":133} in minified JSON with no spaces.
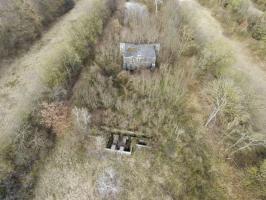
{"x":137,"y":62}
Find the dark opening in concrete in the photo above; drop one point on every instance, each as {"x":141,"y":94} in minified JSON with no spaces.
{"x":119,"y":143}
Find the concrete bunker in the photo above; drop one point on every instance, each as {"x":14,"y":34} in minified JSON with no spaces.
{"x":136,"y":56}
{"x":124,"y":142}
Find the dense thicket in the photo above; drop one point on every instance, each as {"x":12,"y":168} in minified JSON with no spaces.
{"x":22,"y":157}
{"x":261,"y":4}
{"x":21,"y":22}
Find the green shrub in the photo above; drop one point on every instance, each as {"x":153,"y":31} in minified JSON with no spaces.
{"x":230,"y":111}
{"x":250,"y":156}
{"x":256,"y":22}
{"x":255,"y":180}
{"x":258,"y":28}
{"x":216,"y":57}
{"x":239,"y":8}
{"x":64,"y":65}
{"x":231,"y":99}
{"x":195,"y":168}
{"x":48,"y":10}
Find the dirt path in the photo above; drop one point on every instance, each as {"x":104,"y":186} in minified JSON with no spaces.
{"x":208,"y":29}
{"x":257,"y":79}
{"x":21,"y":80}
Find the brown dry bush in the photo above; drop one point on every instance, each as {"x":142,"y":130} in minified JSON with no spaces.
{"x":142,"y":31}
{"x":21,"y":22}
{"x":94,"y":91}
{"x":151,"y":103}
{"x":165,"y":28}
{"x":108,"y":52}
{"x":55,"y":116}
{"x":176,"y":38}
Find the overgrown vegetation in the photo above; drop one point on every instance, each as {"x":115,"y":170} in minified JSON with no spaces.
{"x":149,"y":102}
{"x":243,"y":20}
{"x":22,"y":158}
{"x":230,"y":105}
{"x":21,"y":22}
{"x":230,"y":118}
{"x":78,"y":47}
{"x":31,"y":145}
{"x":216,"y":58}
{"x":260,"y":4}
{"x":192,"y":107}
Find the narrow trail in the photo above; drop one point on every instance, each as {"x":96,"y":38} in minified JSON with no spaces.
{"x":21,"y":80}
{"x":207,"y":30}
{"x":256,"y":75}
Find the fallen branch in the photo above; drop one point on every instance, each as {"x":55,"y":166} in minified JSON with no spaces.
{"x":124,"y":132}
{"x":220,"y":103}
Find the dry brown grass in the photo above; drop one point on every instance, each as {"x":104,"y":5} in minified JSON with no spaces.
{"x":161,"y":104}
{"x":177,"y":166}
{"x":22,"y":22}
{"x":55,"y":116}
{"x":231,"y":132}
{"x":31,"y":140}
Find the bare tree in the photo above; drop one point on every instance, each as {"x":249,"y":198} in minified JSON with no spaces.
{"x":108,"y":184}
{"x":219,"y":105}
{"x":82,"y":118}
{"x":157,"y":2}
{"x":246,"y":142}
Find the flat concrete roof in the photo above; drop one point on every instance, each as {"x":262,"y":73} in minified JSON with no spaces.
{"x":142,"y":50}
